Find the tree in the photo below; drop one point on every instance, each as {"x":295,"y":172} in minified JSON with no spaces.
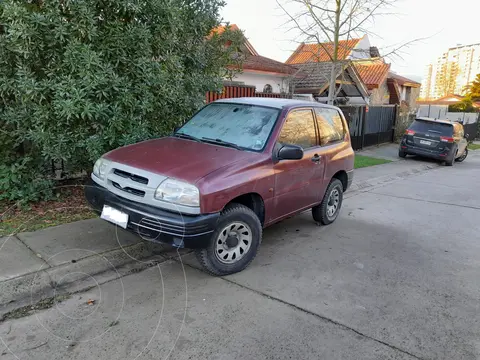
{"x":78,"y":78}
{"x":329,"y":21}
{"x":474,"y":89}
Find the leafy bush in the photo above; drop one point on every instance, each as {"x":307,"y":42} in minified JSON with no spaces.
{"x":79,"y":78}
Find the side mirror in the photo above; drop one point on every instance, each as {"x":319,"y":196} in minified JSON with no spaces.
{"x":290,"y":152}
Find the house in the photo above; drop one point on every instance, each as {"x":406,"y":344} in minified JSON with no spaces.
{"x":267,"y":75}
{"x":383,"y":86}
{"x":409,"y":90}
{"x":374,"y":74}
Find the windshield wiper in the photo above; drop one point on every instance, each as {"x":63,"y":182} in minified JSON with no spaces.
{"x":222,"y":142}
{"x":186,"y":136}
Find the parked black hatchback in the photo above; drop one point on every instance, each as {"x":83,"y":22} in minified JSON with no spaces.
{"x":437,"y":139}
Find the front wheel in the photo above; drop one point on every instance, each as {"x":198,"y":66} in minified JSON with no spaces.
{"x":463,"y":157}
{"x":234,"y":243}
{"x":328,"y":210}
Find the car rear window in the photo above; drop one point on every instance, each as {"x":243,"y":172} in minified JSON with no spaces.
{"x":432,"y":127}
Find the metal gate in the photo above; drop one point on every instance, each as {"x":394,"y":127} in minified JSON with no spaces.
{"x":379,"y":125}
{"x":370,"y":126}
{"x":355,"y":116}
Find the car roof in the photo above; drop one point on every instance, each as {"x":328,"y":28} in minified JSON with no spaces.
{"x":273,"y":102}
{"x":448,"y":122}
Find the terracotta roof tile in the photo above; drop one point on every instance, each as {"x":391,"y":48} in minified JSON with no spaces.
{"x":321,"y":52}
{"x":372,"y":73}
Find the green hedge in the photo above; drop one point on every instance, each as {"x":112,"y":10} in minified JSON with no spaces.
{"x":81,"y":77}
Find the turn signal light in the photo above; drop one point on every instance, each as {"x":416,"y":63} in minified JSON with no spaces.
{"x":446,"y":139}
{"x":410,"y":132}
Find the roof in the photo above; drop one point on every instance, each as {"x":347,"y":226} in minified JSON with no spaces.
{"x":253,"y":61}
{"x":373,"y":72}
{"x":321,"y":52}
{"x":447,"y":100}
{"x":233,"y":27}
{"x":262,"y":63}
{"x":403,"y":81}
{"x":316,"y":75}
{"x":272,"y":102}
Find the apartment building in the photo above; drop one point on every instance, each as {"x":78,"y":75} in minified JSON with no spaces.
{"x":452,"y":72}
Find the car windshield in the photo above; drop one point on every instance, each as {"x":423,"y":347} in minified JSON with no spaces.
{"x":245,"y":126}
{"x":432,"y":127}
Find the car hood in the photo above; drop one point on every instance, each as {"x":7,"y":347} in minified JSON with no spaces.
{"x":181,"y":159}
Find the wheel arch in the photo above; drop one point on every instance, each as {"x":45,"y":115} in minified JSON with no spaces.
{"x":343,"y":177}
{"x":253,"y":201}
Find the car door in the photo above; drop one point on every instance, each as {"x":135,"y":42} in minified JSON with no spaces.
{"x":332,"y":131}
{"x":294,"y":178}
{"x":459,"y":138}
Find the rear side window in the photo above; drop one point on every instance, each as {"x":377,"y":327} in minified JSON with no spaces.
{"x":432,"y":127}
{"x":330,"y":126}
{"x":299,"y":129}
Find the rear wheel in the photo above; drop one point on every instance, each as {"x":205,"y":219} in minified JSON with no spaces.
{"x":463,"y":157}
{"x":402,"y":154}
{"x":234,"y":243}
{"x":328,"y":210}
{"x":449,"y":162}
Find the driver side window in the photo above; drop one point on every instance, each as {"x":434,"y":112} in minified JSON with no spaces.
{"x":299,"y":129}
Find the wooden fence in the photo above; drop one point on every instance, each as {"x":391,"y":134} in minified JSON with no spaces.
{"x":237,"y":91}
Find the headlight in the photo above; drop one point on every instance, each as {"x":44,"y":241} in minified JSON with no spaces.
{"x":178,"y":192}
{"x":100,"y":168}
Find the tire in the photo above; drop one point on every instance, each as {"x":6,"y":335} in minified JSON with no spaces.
{"x":220,"y":258}
{"x":320,"y":212}
{"x":449,"y":162}
{"x":402,"y":154}
{"x":463,"y":157}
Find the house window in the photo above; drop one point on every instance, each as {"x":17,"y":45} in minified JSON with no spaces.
{"x":268,"y":89}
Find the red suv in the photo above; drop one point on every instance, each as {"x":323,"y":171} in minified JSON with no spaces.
{"x":236,"y":167}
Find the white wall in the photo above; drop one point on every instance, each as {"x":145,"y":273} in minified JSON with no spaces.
{"x":362,"y":50}
{"x":279,"y":83}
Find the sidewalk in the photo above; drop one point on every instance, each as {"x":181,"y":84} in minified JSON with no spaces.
{"x":77,"y":256}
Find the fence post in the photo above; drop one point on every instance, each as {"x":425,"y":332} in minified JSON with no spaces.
{"x":395,"y":119}
{"x":364,"y":123}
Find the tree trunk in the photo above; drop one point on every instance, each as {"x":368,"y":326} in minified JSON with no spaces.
{"x":333,"y":74}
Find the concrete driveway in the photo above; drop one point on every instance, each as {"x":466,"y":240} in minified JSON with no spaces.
{"x":396,"y":277}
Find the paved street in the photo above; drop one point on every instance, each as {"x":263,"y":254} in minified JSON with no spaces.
{"x":396,"y":277}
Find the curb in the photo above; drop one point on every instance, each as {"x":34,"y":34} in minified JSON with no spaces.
{"x":82,"y":275}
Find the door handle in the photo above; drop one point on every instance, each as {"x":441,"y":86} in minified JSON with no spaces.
{"x":316,"y":158}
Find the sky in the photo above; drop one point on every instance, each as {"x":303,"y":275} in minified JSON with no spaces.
{"x":442,"y":26}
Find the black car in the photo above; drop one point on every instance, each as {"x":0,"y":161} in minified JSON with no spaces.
{"x":437,"y":139}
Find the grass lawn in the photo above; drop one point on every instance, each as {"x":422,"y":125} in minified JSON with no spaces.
{"x":473,"y":146}
{"x":69,"y":206}
{"x":366,"y":161}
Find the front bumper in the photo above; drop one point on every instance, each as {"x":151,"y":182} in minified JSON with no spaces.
{"x":155,"y":224}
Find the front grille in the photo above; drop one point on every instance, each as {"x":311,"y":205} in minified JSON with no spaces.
{"x":129,"y":189}
{"x":133,"y":177}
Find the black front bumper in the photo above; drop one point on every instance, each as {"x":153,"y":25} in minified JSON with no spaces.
{"x":154,"y":224}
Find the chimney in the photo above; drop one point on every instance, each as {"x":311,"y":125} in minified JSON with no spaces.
{"x":374,"y":52}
